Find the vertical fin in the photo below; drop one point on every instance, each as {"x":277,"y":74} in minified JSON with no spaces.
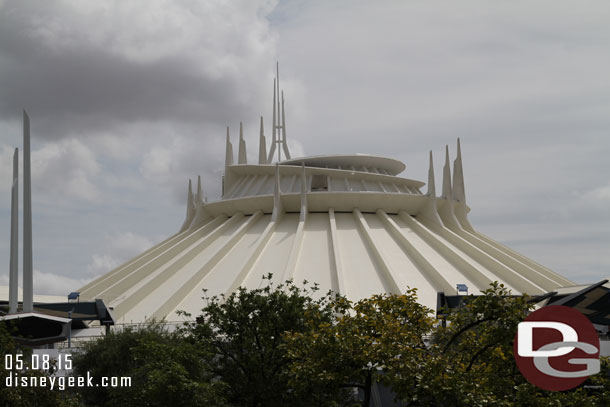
{"x":447,"y":194}
{"x":241,"y":157}
{"x":459,"y":194}
{"x":303,"y":193}
{"x":228,"y":151}
{"x":262,"y":146}
{"x":430,"y":208}
{"x":279,"y":122}
{"x":190,"y":208}
{"x":431,"y":183}
{"x":227,"y":178}
{"x":458,"y":177}
{"x":28,"y":282}
{"x":273,"y":130}
{"x":284,"y":142}
{"x":277,"y":201}
{"x":13,"y":291}
{"x":199,"y":190}
{"x":199,"y":205}
{"x":446,"y":210}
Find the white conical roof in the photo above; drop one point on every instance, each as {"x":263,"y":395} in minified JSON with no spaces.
{"x":346,"y":222}
{"x":356,"y":229}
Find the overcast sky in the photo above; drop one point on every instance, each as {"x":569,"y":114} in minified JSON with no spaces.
{"x":128,"y":99}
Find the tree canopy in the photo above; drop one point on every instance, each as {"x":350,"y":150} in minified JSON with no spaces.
{"x":291,"y":345}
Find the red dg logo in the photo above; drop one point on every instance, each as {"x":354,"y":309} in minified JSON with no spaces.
{"x":556,"y":348}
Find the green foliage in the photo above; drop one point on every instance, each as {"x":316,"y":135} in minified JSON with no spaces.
{"x":287,"y":346}
{"x":243,"y":335}
{"x":381,"y":333}
{"x":165,"y":370}
{"x":393,"y":340}
{"x":470,"y":361}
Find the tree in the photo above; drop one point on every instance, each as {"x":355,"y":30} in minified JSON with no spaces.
{"x":243,"y":334}
{"x":470,"y":360}
{"x":392,"y":339}
{"x":374,"y":339}
{"x":165,"y":370}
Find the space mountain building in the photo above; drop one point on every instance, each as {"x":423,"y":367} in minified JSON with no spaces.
{"x":350,"y":223}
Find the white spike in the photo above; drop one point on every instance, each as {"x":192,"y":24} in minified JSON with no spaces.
{"x":277,"y":201}
{"x":13,"y":291}
{"x":279,"y":112}
{"x":262,"y":146}
{"x":199,"y":205}
{"x":199,"y":190}
{"x":189,"y":195}
{"x":430,"y":209}
{"x":459,"y":194}
{"x":279,"y":122}
{"x":284,"y":143}
{"x":229,"y":151}
{"x":431,"y":183}
{"x":447,"y":176}
{"x":28,"y":280}
{"x":273,"y":130}
{"x":190,"y":207}
{"x":446,"y":211}
{"x":241,"y":157}
{"x":458,"y":177}
{"x":227,"y":178}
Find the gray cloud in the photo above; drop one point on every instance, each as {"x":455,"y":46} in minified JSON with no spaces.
{"x":129,"y":99}
{"x":81,"y":67}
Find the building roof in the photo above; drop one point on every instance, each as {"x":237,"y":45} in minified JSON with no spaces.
{"x":345,"y":222}
{"x":384,"y":165}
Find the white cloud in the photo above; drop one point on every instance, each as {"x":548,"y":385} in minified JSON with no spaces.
{"x":599,"y":195}
{"x":65,"y":169}
{"x":49,"y":283}
{"x":118,"y":248}
{"x":60,"y":170}
{"x":54,"y":284}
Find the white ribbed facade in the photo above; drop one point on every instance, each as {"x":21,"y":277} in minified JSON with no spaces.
{"x":347,"y":222}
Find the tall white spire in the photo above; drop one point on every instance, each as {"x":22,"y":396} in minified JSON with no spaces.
{"x":430,"y":208}
{"x":447,"y":194}
{"x":459,"y":194}
{"x":431,"y":184}
{"x":278,"y":126}
{"x":13,"y":289}
{"x":446,"y":211}
{"x":241,"y":156}
{"x":199,"y":207}
{"x":228,"y":152}
{"x":226,"y":179}
{"x":28,"y":279}
{"x":190,"y":207}
{"x":284,"y":142}
{"x":273,"y":128}
{"x":199,"y":198}
{"x":262,"y":146}
{"x":458,"y":177}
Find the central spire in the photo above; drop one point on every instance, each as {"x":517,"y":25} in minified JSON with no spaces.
{"x":278,"y":126}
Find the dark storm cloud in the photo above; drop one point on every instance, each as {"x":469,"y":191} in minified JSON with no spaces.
{"x":77,"y":72}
